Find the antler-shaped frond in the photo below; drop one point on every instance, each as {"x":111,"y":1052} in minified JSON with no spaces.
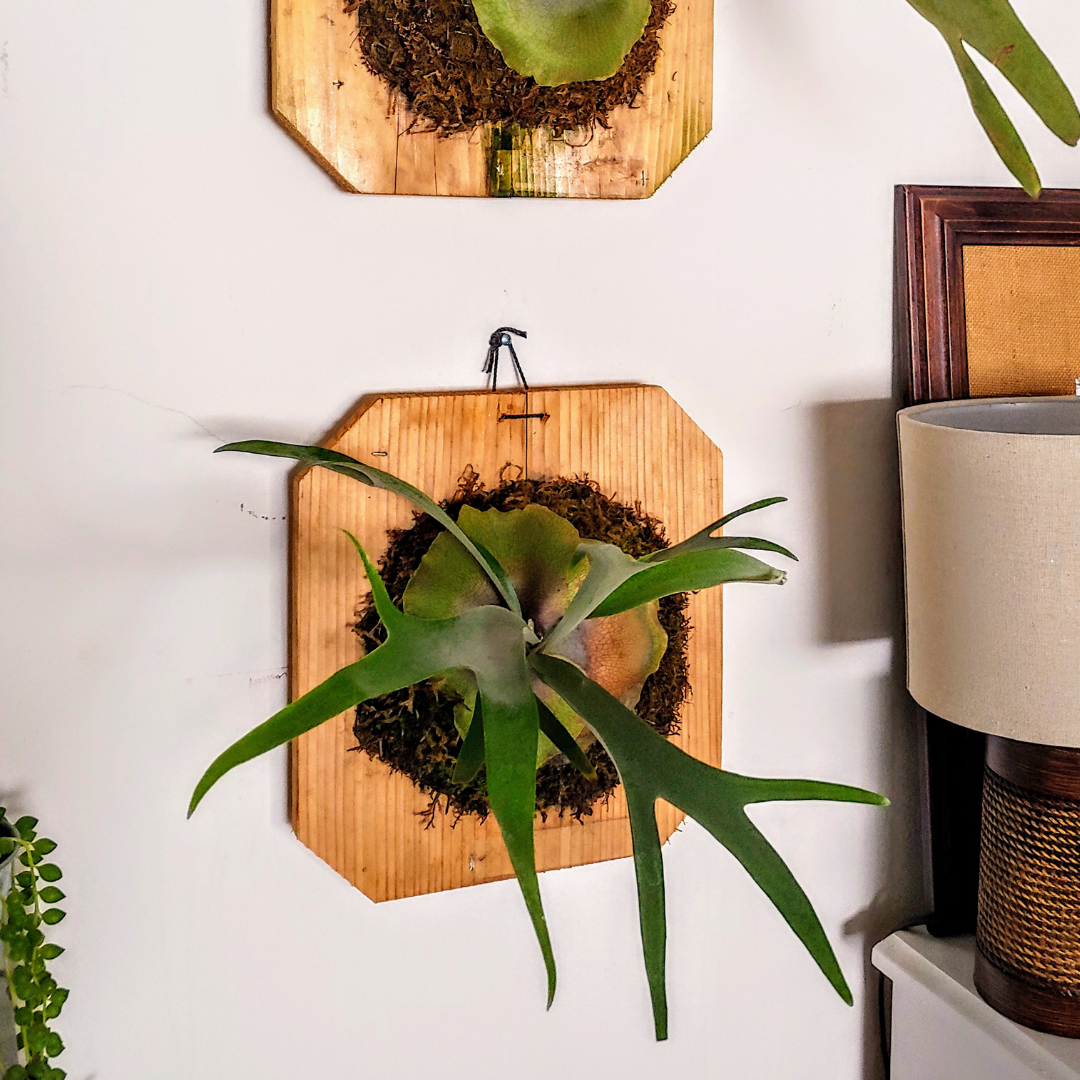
{"x":368,"y":474}
{"x":651,"y":768}
{"x":617,"y":582}
{"x":490,"y":641}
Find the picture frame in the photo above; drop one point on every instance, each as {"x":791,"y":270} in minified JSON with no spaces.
{"x":934,"y":225}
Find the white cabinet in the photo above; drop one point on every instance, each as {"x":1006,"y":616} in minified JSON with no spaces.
{"x":943,"y":1030}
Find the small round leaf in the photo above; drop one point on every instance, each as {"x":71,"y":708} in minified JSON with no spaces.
{"x":25,"y":827}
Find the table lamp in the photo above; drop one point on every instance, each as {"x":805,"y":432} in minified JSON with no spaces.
{"x":991,"y":509}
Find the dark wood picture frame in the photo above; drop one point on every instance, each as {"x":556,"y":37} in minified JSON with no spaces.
{"x":933,"y":225}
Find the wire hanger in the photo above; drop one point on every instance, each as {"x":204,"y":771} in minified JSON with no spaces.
{"x":501,"y":339}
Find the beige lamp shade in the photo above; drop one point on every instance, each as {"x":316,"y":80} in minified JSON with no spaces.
{"x":991,"y":505}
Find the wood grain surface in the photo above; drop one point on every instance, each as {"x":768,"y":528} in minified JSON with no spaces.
{"x":638,"y":445}
{"x":364,"y":135}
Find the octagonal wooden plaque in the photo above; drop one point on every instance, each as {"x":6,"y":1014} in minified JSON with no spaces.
{"x":363,"y":134}
{"x":638,"y":445}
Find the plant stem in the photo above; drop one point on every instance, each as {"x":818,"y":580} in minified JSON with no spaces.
{"x":8,"y":968}
{"x":36,"y":923}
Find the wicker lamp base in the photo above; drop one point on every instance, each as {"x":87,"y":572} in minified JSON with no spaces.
{"x":1028,"y":961}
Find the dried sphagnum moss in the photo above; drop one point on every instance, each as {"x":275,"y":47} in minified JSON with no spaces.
{"x":413,"y":730}
{"x":451,"y":76}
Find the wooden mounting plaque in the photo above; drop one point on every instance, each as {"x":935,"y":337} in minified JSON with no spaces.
{"x":638,"y":445}
{"x":361,"y":132}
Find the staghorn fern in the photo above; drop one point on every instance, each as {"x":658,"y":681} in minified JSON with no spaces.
{"x":522,"y":614}
{"x":563,"y":41}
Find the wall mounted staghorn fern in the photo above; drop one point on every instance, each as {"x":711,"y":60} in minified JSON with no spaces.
{"x":588,"y":40}
{"x":520,"y":612}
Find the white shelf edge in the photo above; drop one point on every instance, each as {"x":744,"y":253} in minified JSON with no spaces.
{"x":905,"y":953}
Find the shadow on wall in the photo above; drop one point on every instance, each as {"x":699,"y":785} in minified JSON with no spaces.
{"x":859,"y":478}
{"x":862,"y":599}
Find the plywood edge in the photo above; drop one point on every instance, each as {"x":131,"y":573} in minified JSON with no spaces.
{"x":285,"y":113}
{"x":289,"y":124}
{"x":675,"y":168}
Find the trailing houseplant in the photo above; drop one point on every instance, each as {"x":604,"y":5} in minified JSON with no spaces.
{"x":521,"y":614}
{"x":27,"y":906}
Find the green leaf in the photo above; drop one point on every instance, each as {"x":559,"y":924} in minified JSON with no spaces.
{"x":564,"y":742}
{"x":704,"y":538}
{"x":471,"y":757}
{"x":544,"y":556}
{"x":700,"y":569}
{"x":415,"y":649}
{"x":511,"y":729}
{"x":56,"y":1004}
{"x":616,"y":582}
{"x":25,"y":827}
{"x":44,"y":847}
{"x":992,"y":28}
{"x":367,"y":474}
{"x":50,"y":872}
{"x":995,"y":122}
{"x":537,"y":548}
{"x":51,"y":895}
{"x":650,"y":767}
{"x":652,"y":917}
{"x":609,"y":567}
{"x":50,"y":952}
{"x":16,"y":1072}
{"x":491,"y":643}
{"x":54,"y":1045}
{"x":25,"y":879}
{"x":52,"y":916}
{"x":556,"y":43}
{"x":7,"y":846}
{"x":36,"y":1037}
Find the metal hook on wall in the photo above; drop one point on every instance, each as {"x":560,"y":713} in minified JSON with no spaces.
{"x":501,"y":339}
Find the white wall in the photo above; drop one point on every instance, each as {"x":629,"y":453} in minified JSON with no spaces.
{"x":175,"y":271}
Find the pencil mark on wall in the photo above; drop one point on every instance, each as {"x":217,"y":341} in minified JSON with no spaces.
{"x":262,"y":680}
{"x":254,"y":678}
{"x":262,"y":517}
{"x":151,"y":404}
{"x":4,"y":69}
